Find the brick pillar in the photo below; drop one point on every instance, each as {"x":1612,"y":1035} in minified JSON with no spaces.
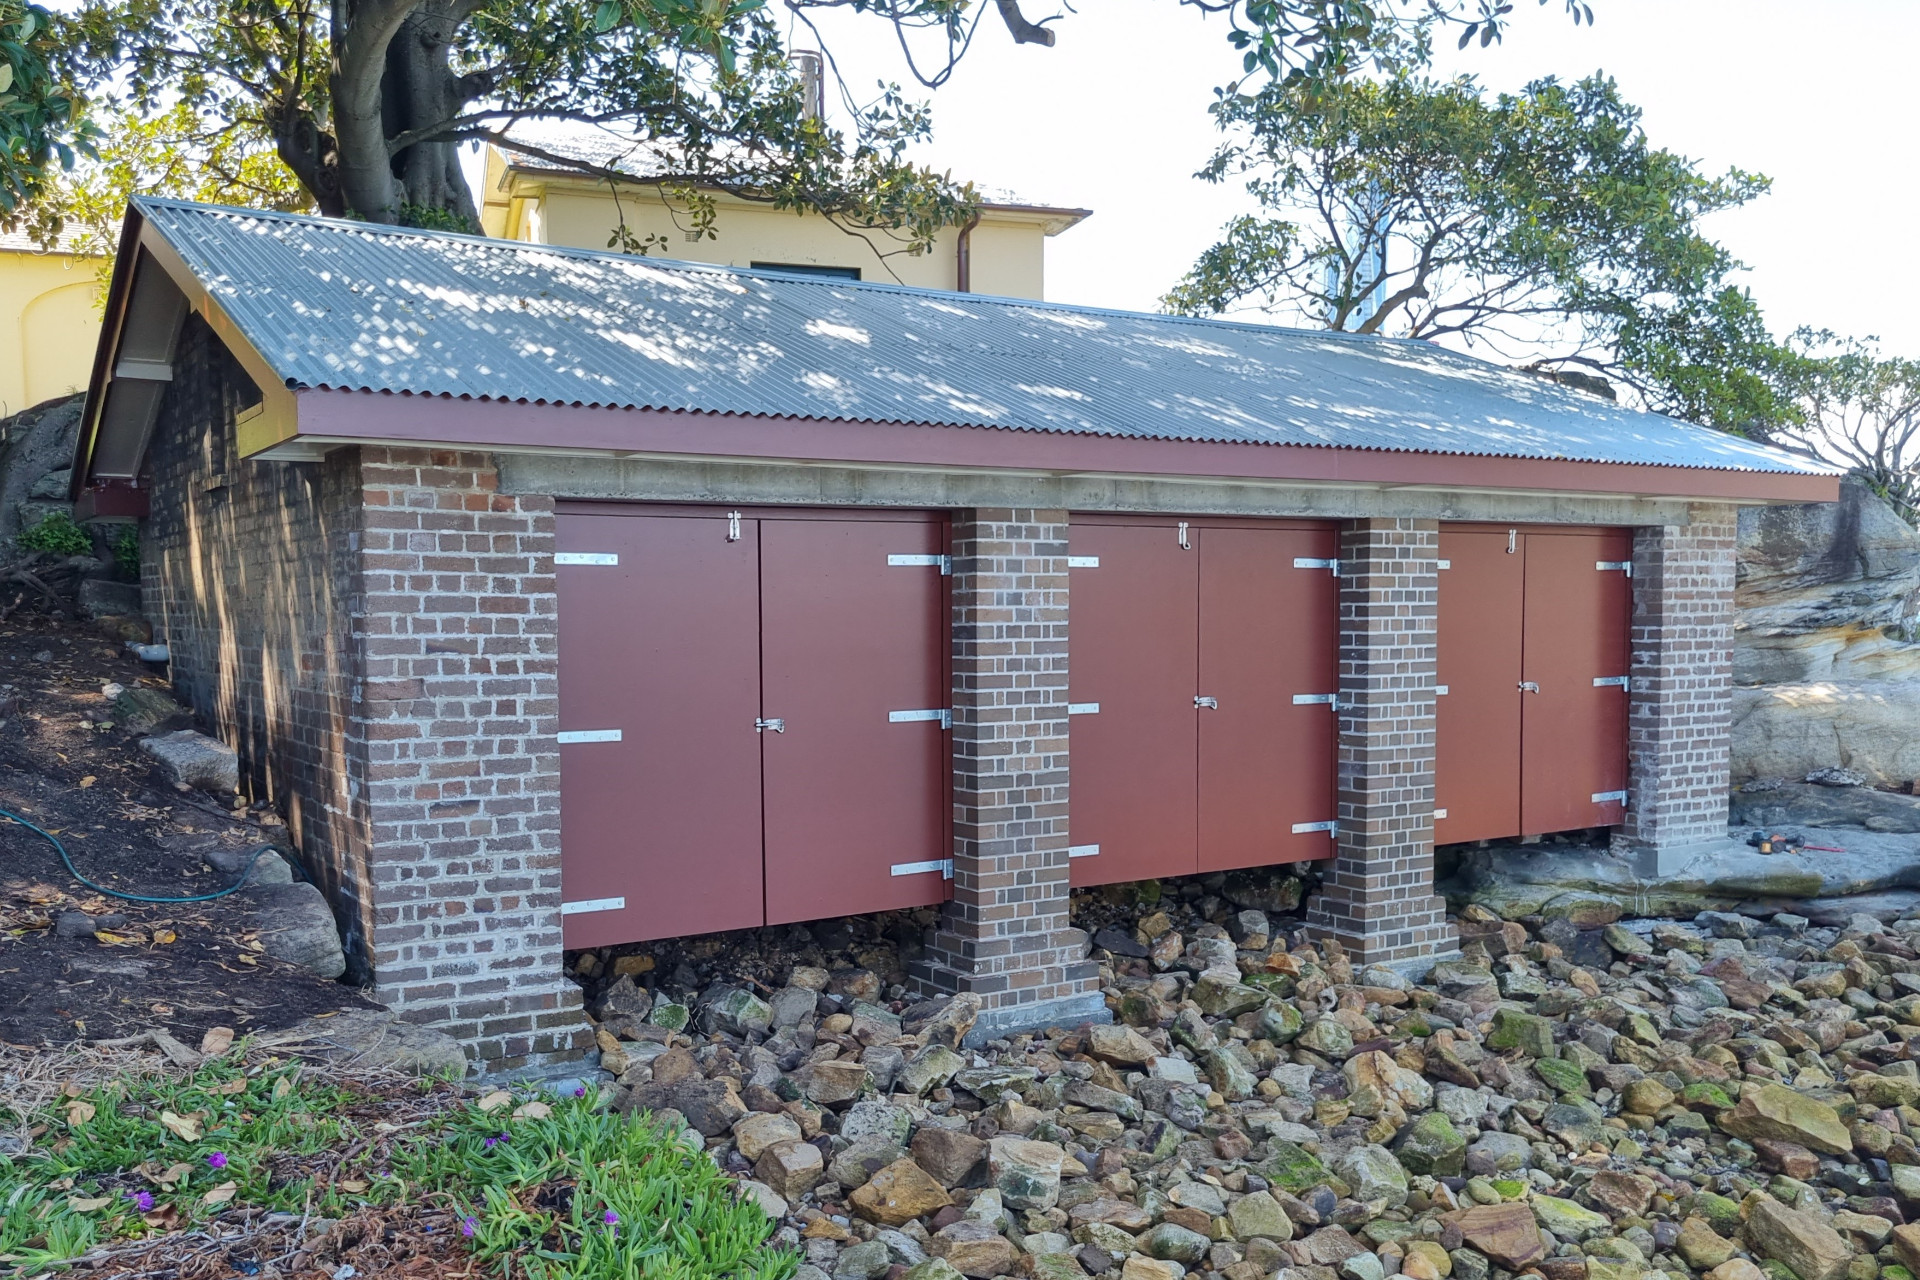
{"x":1680,"y":708}
{"x":1006,"y":935}
{"x":1378,"y":897}
{"x":456,"y":622}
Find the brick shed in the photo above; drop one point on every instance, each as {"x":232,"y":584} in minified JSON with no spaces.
{"x":563,"y":599}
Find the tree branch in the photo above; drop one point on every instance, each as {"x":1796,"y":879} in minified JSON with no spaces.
{"x":1024,"y":32}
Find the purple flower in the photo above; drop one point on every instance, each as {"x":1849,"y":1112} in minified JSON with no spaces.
{"x":218,"y":1160}
{"x":499,"y":1137}
{"x":610,"y":1217}
{"x":468,"y":1226}
{"x":142,"y":1200}
{"x":580,"y":1092}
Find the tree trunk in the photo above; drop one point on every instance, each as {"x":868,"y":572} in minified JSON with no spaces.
{"x":419,"y":90}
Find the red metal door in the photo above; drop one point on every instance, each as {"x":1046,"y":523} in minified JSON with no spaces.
{"x":1269,"y":656}
{"x":659,"y":826}
{"x":1134,"y":595}
{"x":853,"y":660}
{"x":1574,"y":729}
{"x":1477,"y":730}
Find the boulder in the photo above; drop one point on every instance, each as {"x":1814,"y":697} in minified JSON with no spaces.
{"x":103,"y":597}
{"x":1813,"y":1249}
{"x":1775,"y":1111}
{"x":195,"y":760}
{"x":373,"y":1039}
{"x":1506,"y":1233}
{"x":266,"y":868}
{"x":1027,"y":1174}
{"x":898,"y":1194}
{"x":1792,"y":730}
{"x":294,"y":924}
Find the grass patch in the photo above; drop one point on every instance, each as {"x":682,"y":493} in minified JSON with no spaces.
{"x":250,"y":1155}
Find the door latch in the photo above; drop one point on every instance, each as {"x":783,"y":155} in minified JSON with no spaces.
{"x":761,"y":726}
{"x":733,"y":526}
{"x":1528,"y":686}
{"x":1185,"y":545}
{"x":1205,"y":704}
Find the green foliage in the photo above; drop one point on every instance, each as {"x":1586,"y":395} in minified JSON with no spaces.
{"x":1543,"y":224}
{"x":179,"y":151}
{"x":125,"y":545}
{"x":42,"y":130}
{"x":533,"y":1176}
{"x":57,"y":535}
{"x":1855,"y":408}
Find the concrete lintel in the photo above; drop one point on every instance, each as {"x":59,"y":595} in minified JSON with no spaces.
{"x":797,"y":484}
{"x":1010,"y":1020}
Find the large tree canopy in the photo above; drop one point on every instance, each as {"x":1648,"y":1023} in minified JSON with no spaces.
{"x":40,"y":120}
{"x":1543,"y":225}
{"x":365,"y":102}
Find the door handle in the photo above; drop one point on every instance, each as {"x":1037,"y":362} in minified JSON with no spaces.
{"x":1528,"y":686}
{"x":761,"y":726}
{"x":1209,"y":704}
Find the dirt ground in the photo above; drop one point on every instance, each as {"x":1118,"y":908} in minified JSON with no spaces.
{"x":181,"y":968}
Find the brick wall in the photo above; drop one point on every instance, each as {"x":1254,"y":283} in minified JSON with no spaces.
{"x":458,"y":706}
{"x":247,"y":572}
{"x":1006,"y":934}
{"x":1378,"y":898}
{"x":375,"y":635}
{"x":1679,"y":718}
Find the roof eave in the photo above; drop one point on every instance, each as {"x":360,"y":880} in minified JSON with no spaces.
{"x":332,"y":417}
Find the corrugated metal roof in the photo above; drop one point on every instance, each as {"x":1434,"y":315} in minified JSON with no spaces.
{"x":331,"y":303}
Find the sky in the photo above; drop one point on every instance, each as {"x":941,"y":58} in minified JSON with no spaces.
{"x":1114,"y":118}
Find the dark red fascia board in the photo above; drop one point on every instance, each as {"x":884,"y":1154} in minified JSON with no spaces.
{"x":111,"y":500}
{"x":438,"y":420}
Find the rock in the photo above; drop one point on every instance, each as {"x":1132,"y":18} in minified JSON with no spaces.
{"x":837,"y":1082}
{"x":931,"y":1269}
{"x":1140,"y":1267}
{"x":1567,"y":1220}
{"x":1647,"y":1097}
{"x":1506,"y":1233}
{"x":876,"y":1119}
{"x":74,"y":925}
{"x":755,"y":1132}
{"x":294,"y":924}
{"x":898,"y":1194}
{"x":1259,"y":1217}
{"x":764,"y":1198}
{"x":974,"y":1249}
{"x":737,"y":1012}
{"x":1373,"y":1174}
{"x":1702,"y":1246}
{"x":929,"y":1068}
{"x":790,"y":1168}
{"x":1325,"y":1036}
{"x":1292,"y":1167}
{"x":1814,"y":1250}
{"x":1330,"y":1246}
{"x":1620,"y":1194}
{"x":946,"y":1020}
{"x":1119,"y":1045}
{"x":1736,"y":1269}
{"x":862,"y":1159}
{"x":266,"y":868}
{"x":1379,"y":1086}
{"x":1775,"y":1111}
{"x":1172,"y":1243}
{"x":102,"y":597}
{"x":949,"y":1156}
{"x":1792,"y":730}
{"x":1527,"y":1032}
{"x":1026,"y":1173}
{"x":195,"y":760}
{"x":1433,"y":1147}
{"x":373,"y":1040}
{"x":143,"y":709}
{"x":710,"y":1106}
{"x":1222,"y":996}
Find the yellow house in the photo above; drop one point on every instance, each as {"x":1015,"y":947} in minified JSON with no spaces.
{"x":48,"y":324}
{"x":541,"y":203}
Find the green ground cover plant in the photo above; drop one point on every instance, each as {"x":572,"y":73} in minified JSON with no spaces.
{"x":532,"y":1184}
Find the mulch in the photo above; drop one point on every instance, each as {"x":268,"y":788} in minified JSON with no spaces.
{"x":182,"y":968}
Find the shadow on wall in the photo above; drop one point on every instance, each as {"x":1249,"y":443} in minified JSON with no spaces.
{"x":1826,"y":666}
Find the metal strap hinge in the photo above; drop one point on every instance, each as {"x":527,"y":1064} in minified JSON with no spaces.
{"x":1311,"y":562}
{"x":927,"y":561}
{"x":1301,"y":828}
{"x":1083,"y":708}
{"x":1083,"y":562}
{"x":570,"y":736}
{"x":942,"y":714}
{"x":1625,"y":682}
{"x":1307,"y":699}
{"x":943,"y":865}
{"x":1083,"y":851}
{"x":1203,"y":703}
{"x":1607,"y":797}
{"x":586,"y":557}
{"x":1609,"y":566}
{"x":592,"y":904}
